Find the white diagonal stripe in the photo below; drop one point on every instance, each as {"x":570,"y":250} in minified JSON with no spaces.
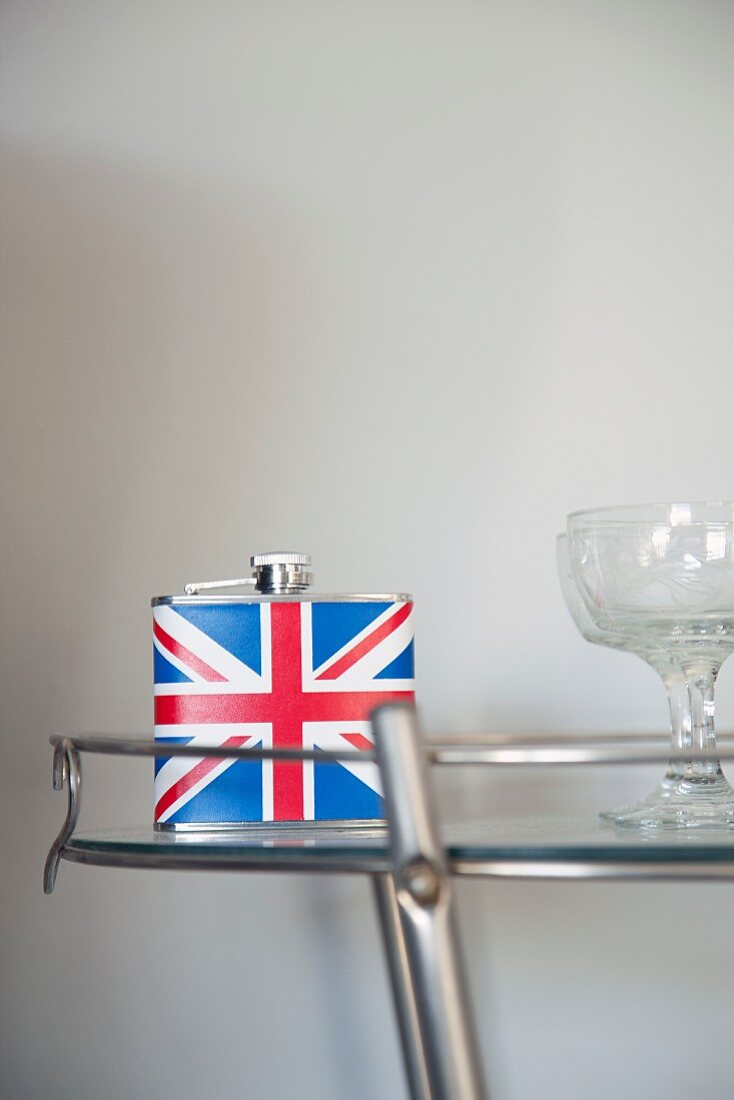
{"x":382,"y":655}
{"x":178,"y":664}
{"x":329,"y":736}
{"x":359,"y":638}
{"x":360,"y":677}
{"x":176,"y":767}
{"x":206,"y":649}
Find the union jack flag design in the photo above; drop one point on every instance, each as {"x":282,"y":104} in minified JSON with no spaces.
{"x":291,"y":674}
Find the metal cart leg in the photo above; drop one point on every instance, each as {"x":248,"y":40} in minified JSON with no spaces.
{"x":401,"y":984}
{"x":418,"y":920}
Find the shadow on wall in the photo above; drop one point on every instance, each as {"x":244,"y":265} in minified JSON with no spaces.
{"x":110,"y":391}
{"x":133,"y":304}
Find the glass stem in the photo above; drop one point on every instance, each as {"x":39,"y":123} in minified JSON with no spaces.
{"x":679,"y":702}
{"x":701,"y":680}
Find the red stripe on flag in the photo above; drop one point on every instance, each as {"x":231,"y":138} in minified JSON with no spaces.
{"x":199,"y":771}
{"x":285,"y":633}
{"x":353,"y":655}
{"x":317,"y":706}
{"x":194,"y":663}
{"x":359,"y":741}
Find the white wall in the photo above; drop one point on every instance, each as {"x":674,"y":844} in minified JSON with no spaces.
{"x":401,"y":284}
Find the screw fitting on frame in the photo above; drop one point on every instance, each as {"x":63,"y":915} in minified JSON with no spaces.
{"x":422,"y":882}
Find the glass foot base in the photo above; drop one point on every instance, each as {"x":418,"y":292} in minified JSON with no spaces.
{"x":662,"y":792}
{"x":680,"y":802}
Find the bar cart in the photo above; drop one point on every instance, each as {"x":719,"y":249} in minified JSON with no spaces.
{"x":411,"y":862}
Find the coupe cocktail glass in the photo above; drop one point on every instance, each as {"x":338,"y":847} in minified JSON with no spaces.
{"x":662,"y":576}
{"x":670,"y":673}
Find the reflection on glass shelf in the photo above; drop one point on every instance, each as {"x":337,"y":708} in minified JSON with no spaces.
{"x":531,"y":839}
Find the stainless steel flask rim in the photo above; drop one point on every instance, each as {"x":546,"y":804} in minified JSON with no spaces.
{"x":279,"y":575}
{"x":285,"y":597}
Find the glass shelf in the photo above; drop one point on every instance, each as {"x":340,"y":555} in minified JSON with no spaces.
{"x":530,"y":847}
{"x":510,"y":848}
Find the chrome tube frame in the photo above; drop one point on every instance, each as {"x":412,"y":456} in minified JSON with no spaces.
{"x":412,"y":885}
{"x":134,"y":746}
{"x":498,"y":750}
{"x":402,"y":986}
{"x":434,"y":1009}
{"x":66,"y":767}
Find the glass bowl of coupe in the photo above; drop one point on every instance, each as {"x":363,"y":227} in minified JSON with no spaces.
{"x":669,"y":671}
{"x":658,"y":580}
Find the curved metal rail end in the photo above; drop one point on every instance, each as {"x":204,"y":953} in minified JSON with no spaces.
{"x":66,"y":768}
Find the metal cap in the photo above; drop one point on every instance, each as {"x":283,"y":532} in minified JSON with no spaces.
{"x":280,"y":557}
{"x":281,"y":571}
